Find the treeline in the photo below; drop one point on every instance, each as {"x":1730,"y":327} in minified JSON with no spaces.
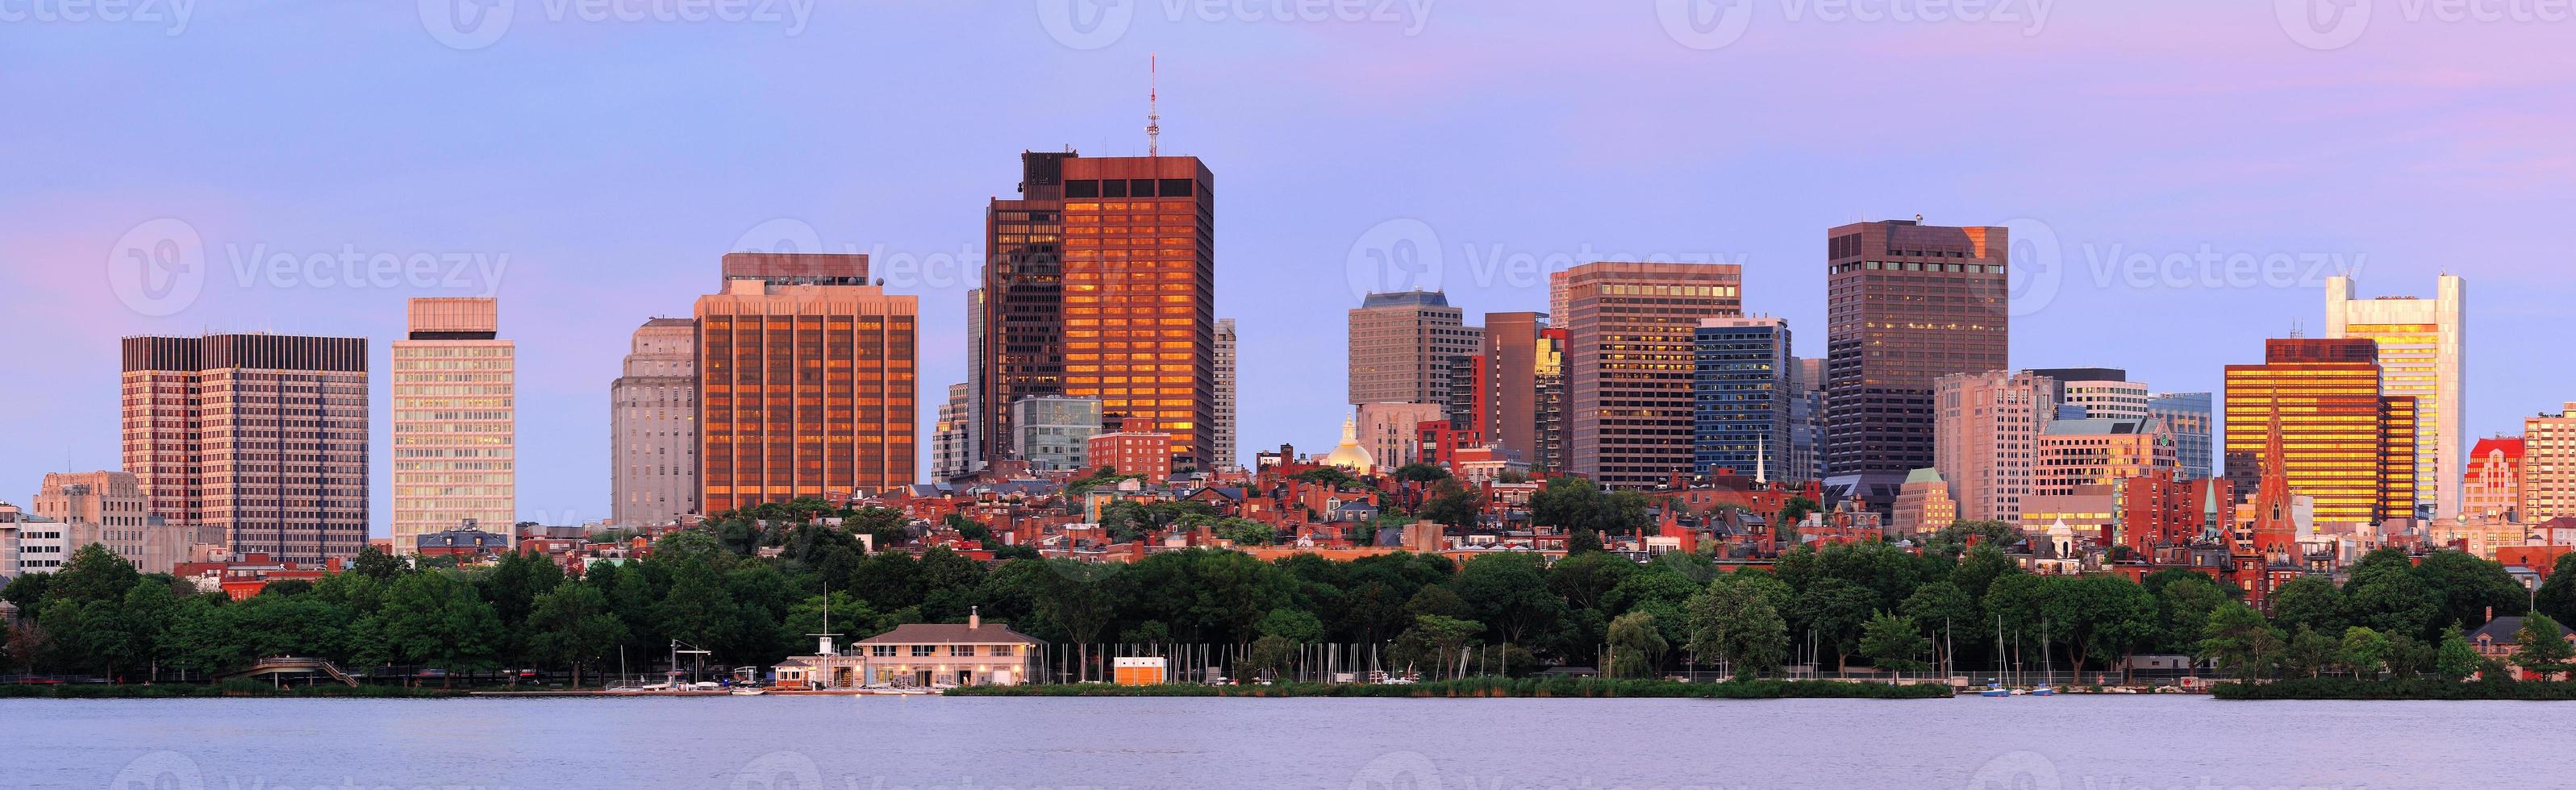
{"x":1842,"y":605}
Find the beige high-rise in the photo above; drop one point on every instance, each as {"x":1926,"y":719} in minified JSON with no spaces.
{"x":1401,"y":344}
{"x":261,"y":439}
{"x":455,"y":446}
{"x":108,"y":508}
{"x":1630,"y":351}
{"x":2422,"y":353}
{"x":654,"y":426}
{"x":2549,"y":466}
{"x":1985,"y":439}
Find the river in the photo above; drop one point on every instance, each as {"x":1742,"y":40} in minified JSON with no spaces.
{"x":920,"y":743}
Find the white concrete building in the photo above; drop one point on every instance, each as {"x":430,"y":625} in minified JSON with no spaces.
{"x":455,"y":427}
{"x":2422,"y":353}
{"x":653,"y":408}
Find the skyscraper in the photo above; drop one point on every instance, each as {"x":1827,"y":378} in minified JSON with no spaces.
{"x":1391,"y":432}
{"x":2549,"y":466}
{"x":2099,"y":451}
{"x":1547,"y":368}
{"x":2492,"y":488}
{"x":978,"y":413}
{"x":1401,"y":345}
{"x":1102,"y":283}
{"x":806,"y":386}
{"x":258,"y":439}
{"x":1225,"y":395}
{"x":1905,"y":304}
{"x":1806,"y":456}
{"x":2422,"y":351}
{"x":1740,"y":393}
{"x":1469,"y":398}
{"x":1630,"y":348}
{"x":1511,"y":349}
{"x":108,"y":508}
{"x":2102,"y":393}
{"x":2346,"y":445}
{"x":653,"y":426}
{"x":2194,"y":427}
{"x":1987,"y":439}
{"x":950,"y":455}
{"x":455,"y":430}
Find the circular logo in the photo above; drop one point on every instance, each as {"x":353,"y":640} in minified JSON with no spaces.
{"x":2323,"y":24}
{"x":2036,"y":268}
{"x":1705,"y":24}
{"x":466,"y":24}
{"x":1086,"y":24}
{"x":1396,"y":255}
{"x":1398,"y":771}
{"x":158,"y":268}
{"x":2017,"y":771}
{"x":780,"y":235}
{"x":159,"y":771}
{"x":778,"y":771}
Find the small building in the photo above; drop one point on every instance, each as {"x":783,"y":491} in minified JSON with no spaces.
{"x":973,"y":653}
{"x":1145,"y":671}
{"x":464,"y":543}
{"x":2499,"y":638}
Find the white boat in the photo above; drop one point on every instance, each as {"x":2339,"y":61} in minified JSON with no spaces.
{"x":747,"y":692}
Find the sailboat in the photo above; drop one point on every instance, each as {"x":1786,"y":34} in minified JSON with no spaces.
{"x":1995,"y":688}
{"x":2047,"y":667}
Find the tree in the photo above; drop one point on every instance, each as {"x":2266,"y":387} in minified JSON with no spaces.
{"x":28,"y":591}
{"x":1333,"y":477}
{"x":2455,"y":659}
{"x":2365,"y":652}
{"x":2541,"y":647}
{"x":2388,"y":596}
{"x":1574,"y":505}
{"x":431,"y":618}
{"x":572,"y":626}
{"x":2100,"y":616}
{"x":1784,"y":525}
{"x":1943,"y":606}
{"x":1297,"y":626}
{"x":1834,"y":611}
{"x":2310,"y":602}
{"x":1453,"y":504}
{"x":2469,"y":587}
{"x":1421,"y":473}
{"x":2557,"y":596}
{"x":1268,"y":656}
{"x":2240,"y":641}
{"x":1636,"y":646}
{"x":1735,"y":620}
{"x":1894,"y":642}
{"x":2311,"y":653}
{"x":1582,"y":579}
{"x":93,"y":574}
{"x":1508,"y":593}
{"x":2184,"y":605}
{"x":1432,"y":642}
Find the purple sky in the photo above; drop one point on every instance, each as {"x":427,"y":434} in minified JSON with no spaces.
{"x":611,"y":161}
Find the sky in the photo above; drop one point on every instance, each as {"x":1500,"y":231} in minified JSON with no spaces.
{"x":2180,"y":176}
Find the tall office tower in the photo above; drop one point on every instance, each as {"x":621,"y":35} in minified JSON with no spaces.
{"x":1740,"y":395}
{"x":108,"y":508}
{"x":1987,"y":439}
{"x":978,"y":413}
{"x":1401,"y":345}
{"x":2194,"y":429}
{"x":1225,"y":396}
{"x":1392,"y":432}
{"x":2102,"y":393}
{"x":950,"y":455}
{"x":2099,"y":451}
{"x":653,"y":416}
{"x":258,"y":439}
{"x":455,"y":431}
{"x":2549,"y":466}
{"x":2492,"y":488}
{"x":2423,"y":351}
{"x":1468,"y":399}
{"x":1806,"y":455}
{"x":804,"y":390}
{"x":1548,"y":409}
{"x":1102,"y":283}
{"x":2346,"y":445}
{"x":1906,"y":303}
{"x":1511,"y":352}
{"x":1630,"y":345}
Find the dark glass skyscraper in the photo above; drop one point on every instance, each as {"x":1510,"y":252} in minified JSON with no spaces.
{"x":1740,"y":395}
{"x":1906,"y":303}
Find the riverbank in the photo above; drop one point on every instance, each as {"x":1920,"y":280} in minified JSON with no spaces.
{"x":2405,"y":689}
{"x":1491,"y":687}
{"x":232,"y":689}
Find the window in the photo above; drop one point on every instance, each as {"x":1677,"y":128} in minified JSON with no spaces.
{"x":881,"y":651}
{"x":923,"y":651}
{"x":961,"y":650}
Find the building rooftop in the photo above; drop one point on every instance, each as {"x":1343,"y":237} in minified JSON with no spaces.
{"x":1406,"y":299}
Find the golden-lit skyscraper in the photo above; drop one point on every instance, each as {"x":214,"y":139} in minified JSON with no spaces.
{"x":1631,"y":350}
{"x":2346,"y":445}
{"x":2422,"y":348}
{"x":1102,"y":284}
{"x":455,"y":428}
{"x":806,"y":384}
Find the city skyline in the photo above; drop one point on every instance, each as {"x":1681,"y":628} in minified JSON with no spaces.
{"x":1619,"y":192}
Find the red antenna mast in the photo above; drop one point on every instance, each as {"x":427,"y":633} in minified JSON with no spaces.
{"x":1153,"y":112}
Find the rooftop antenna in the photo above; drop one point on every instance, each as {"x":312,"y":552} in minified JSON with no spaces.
{"x":1153,"y":110}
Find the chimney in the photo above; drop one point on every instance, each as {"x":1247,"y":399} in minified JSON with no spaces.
{"x":974,"y":617}
{"x":2490,"y":613}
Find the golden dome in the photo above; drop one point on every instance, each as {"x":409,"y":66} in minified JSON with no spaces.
{"x":1349,"y":455}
